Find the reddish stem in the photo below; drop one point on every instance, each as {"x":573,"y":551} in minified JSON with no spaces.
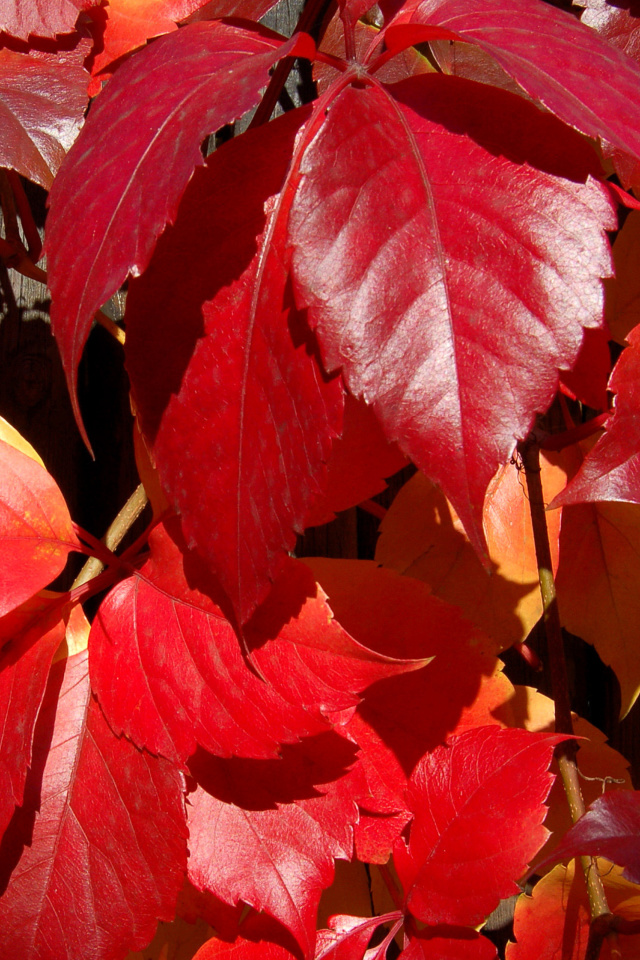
{"x":306,"y":20}
{"x":375,"y":509}
{"x":96,"y":546}
{"x":530,"y":656}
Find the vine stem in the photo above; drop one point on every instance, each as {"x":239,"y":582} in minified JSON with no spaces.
{"x":310,"y":13}
{"x":565,"y":752}
{"x":114,"y":535}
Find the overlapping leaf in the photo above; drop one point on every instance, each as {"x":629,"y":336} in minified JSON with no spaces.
{"x":426,"y":947}
{"x":242,"y":363}
{"x":42,"y":102}
{"x":404,"y":717}
{"x":617,"y":22}
{"x":422,"y":537}
{"x":35,"y":528}
{"x":597,"y":582}
{"x":623,"y":293}
{"x":40,"y":18}
{"x":610,"y":828}
{"x":447,"y":167}
{"x":611,"y":471}
{"x":360,"y":460}
{"x":104,"y":833}
{"x":555,"y":920}
{"x":127,"y":24}
{"x":554,"y":58}
{"x":267,"y":832}
{"x":168,"y":671}
{"x":29,"y":638}
{"x":463,"y":796}
{"x":123,"y":181}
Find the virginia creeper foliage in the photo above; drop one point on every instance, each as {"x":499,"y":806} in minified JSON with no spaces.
{"x":407,"y":268}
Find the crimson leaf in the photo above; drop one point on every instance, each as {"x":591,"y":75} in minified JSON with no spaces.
{"x":241,"y":358}
{"x":458,"y":350}
{"x":464,"y":796}
{"x":611,"y":471}
{"x":610,"y":828}
{"x":555,"y":59}
{"x":167,"y":667}
{"x":122,"y":181}
{"x":267,"y":832}
{"x":29,"y":637}
{"x":97,"y":870}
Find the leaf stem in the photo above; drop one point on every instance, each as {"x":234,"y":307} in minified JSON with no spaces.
{"x":565,"y":752}
{"x":310,"y":13}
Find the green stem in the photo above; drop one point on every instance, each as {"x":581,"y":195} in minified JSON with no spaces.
{"x":115,"y":534}
{"x":566,"y":751}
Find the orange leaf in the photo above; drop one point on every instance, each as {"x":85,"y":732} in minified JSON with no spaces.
{"x":597,"y":584}
{"x":422,"y":537}
{"x":553,"y":924}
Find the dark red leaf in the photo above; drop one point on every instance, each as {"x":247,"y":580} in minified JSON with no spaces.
{"x":465,"y":796}
{"x":40,"y":18}
{"x":167,"y":668}
{"x":35,"y":528}
{"x":610,"y":828}
{"x":471,"y":947}
{"x":42,"y":102}
{"x":458,"y":350}
{"x":588,"y":378}
{"x":611,"y":471}
{"x":123,"y":180}
{"x":105,"y":836}
{"x":554,"y":58}
{"x":29,"y":637}
{"x":267,"y":832}
{"x":239,"y":406}
{"x":360,"y":460}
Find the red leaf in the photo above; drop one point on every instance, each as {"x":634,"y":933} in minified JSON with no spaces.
{"x":359,"y":461}
{"x":587,"y":380}
{"x":35,"y":528}
{"x":554,"y":58}
{"x":29,"y":637}
{"x":402,"y":718}
{"x":611,"y":471}
{"x":242,"y":359}
{"x":107,"y":205}
{"x":610,"y":828}
{"x":242,"y":949}
{"x":42,"y":18}
{"x":457,"y":351}
{"x":471,"y":947}
{"x":348,"y":937}
{"x":267,"y":832}
{"x":465,"y":796}
{"x":42,"y":102}
{"x":106,"y":854}
{"x":168,"y":671}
